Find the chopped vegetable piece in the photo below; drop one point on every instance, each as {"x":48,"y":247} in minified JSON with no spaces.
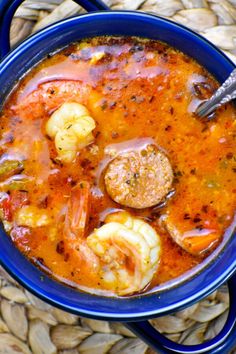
{"x":32,"y":216}
{"x":7,"y":225}
{"x":5,"y":206}
{"x":17,"y":182}
{"x":21,"y":235}
{"x":10,"y":167}
{"x":18,"y":199}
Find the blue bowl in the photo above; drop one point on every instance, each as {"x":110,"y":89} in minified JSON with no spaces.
{"x":180,"y":293}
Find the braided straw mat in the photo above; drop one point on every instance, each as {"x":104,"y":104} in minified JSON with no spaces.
{"x":28,"y":325}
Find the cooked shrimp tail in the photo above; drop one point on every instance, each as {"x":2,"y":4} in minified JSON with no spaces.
{"x":77,"y":212}
{"x":128,"y":251}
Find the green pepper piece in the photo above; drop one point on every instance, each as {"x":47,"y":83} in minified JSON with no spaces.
{"x":16,"y":182}
{"x":10,"y":167}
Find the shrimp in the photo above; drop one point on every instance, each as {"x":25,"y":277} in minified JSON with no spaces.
{"x":124,"y":252}
{"x":10,"y":167}
{"x":196,"y":242}
{"x":76,"y":223}
{"x":49,"y":96}
{"x":71,"y":127}
{"x":128,"y":252}
{"x":77,"y":214}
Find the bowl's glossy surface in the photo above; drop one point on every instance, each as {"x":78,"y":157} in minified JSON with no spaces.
{"x":21,"y":60}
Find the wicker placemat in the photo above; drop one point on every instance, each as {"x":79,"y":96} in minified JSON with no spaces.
{"x":28,"y":325}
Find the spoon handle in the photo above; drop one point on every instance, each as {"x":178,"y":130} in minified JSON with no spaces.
{"x":225,"y":93}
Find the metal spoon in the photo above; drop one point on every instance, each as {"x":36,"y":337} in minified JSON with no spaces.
{"x":225,"y":93}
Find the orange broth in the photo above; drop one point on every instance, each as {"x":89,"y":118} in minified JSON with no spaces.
{"x":138,"y":89}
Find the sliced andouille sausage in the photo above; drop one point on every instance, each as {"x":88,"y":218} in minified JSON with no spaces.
{"x":139,"y":179}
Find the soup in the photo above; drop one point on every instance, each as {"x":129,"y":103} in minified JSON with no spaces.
{"x":108,"y":181}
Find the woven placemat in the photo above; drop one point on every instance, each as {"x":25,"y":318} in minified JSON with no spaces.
{"x":28,"y":325}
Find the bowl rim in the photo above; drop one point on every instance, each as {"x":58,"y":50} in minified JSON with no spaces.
{"x":31,"y":277}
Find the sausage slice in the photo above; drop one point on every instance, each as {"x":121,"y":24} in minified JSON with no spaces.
{"x":139,"y":179}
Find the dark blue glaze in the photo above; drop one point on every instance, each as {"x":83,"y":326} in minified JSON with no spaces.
{"x":217,"y":269}
{"x":145,"y":331}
